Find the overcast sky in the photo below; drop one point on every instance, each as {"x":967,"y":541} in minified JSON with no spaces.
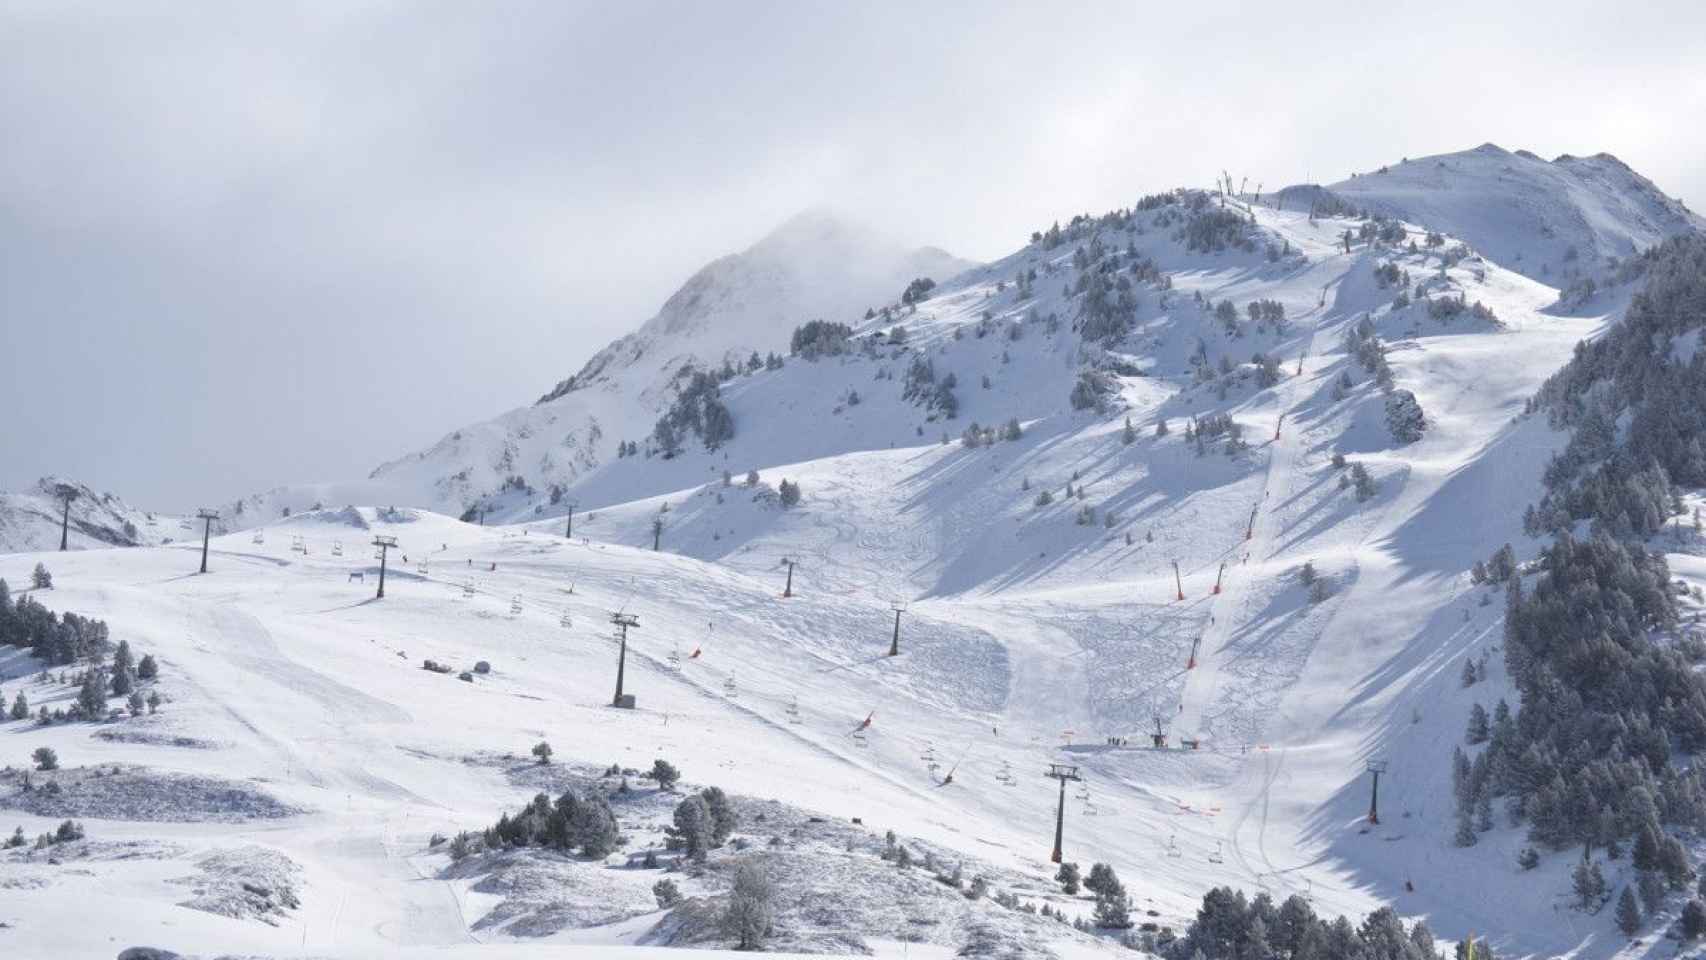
{"x":242,"y":247}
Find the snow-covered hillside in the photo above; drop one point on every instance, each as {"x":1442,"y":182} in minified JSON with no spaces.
{"x":1552,"y":221}
{"x":32,"y":520}
{"x":817,"y":265}
{"x":1197,"y":468}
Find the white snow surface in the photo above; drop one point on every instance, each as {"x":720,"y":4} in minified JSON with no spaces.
{"x":1547,"y":219}
{"x":1027,"y":638}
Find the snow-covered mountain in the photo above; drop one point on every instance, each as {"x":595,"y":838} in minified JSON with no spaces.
{"x":1550,"y":220}
{"x":31,"y":519}
{"x":1195,"y":467}
{"x":817,"y":265}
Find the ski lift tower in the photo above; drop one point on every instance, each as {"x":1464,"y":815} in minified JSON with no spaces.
{"x":569,"y":530}
{"x":384,"y":543}
{"x":1063,"y":773}
{"x":207,"y":517}
{"x":1375,"y":767}
{"x":899,"y":607}
{"x":623,"y":621}
{"x":66,"y":493}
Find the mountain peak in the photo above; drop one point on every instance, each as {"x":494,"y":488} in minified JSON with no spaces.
{"x":1547,"y":220}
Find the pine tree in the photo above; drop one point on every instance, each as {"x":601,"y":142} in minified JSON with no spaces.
{"x":665,"y":774}
{"x":1628,"y":913}
{"x":1465,"y":836}
{"x":40,"y":578}
{"x":1652,"y":890}
{"x":594,"y":826}
{"x":692,"y":829}
{"x":1113,"y":905}
{"x":1646,"y":852}
{"x":1588,"y":884}
{"x":723,"y":818}
{"x":124,"y":670}
{"x":1128,"y":435}
{"x":751,"y":908}
{"x":1478,"y":731}
{"x":1067,"y":877}
{"x":1693,"y":920}
{"x":92,"y":697}
{"x":20,"y":707}
{"x":1100,"y":874}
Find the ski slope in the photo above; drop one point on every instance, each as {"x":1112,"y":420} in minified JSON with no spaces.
{"x":1027,"y":638}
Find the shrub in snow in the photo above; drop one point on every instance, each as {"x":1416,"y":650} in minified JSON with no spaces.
{"x":40,"y":578}
{"x":1113,"y":905}
{"x":1067,"y":877}
{"x":45,"y":758}
{"x":691,"y":828}
{"x":666,"y":893}
{"x":818,"y":338}
{"x":542,"y":750}
{"x":789,"y":493}
{"x":1087,"y":391}
{"x":146,"y":668}
{"x":1404,"y":417}
{"x":751,"y":907}
{"x":482,"y":667}
{"x":917,"y":291}
{"x":723,"y":818}
{"x":665,"y":774}
{"x":1363,"y":482}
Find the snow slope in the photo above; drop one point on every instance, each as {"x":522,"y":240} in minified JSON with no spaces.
{"x":1547,"y":220}
{"x":30,"y":520}
{"x":1027,"y":636}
